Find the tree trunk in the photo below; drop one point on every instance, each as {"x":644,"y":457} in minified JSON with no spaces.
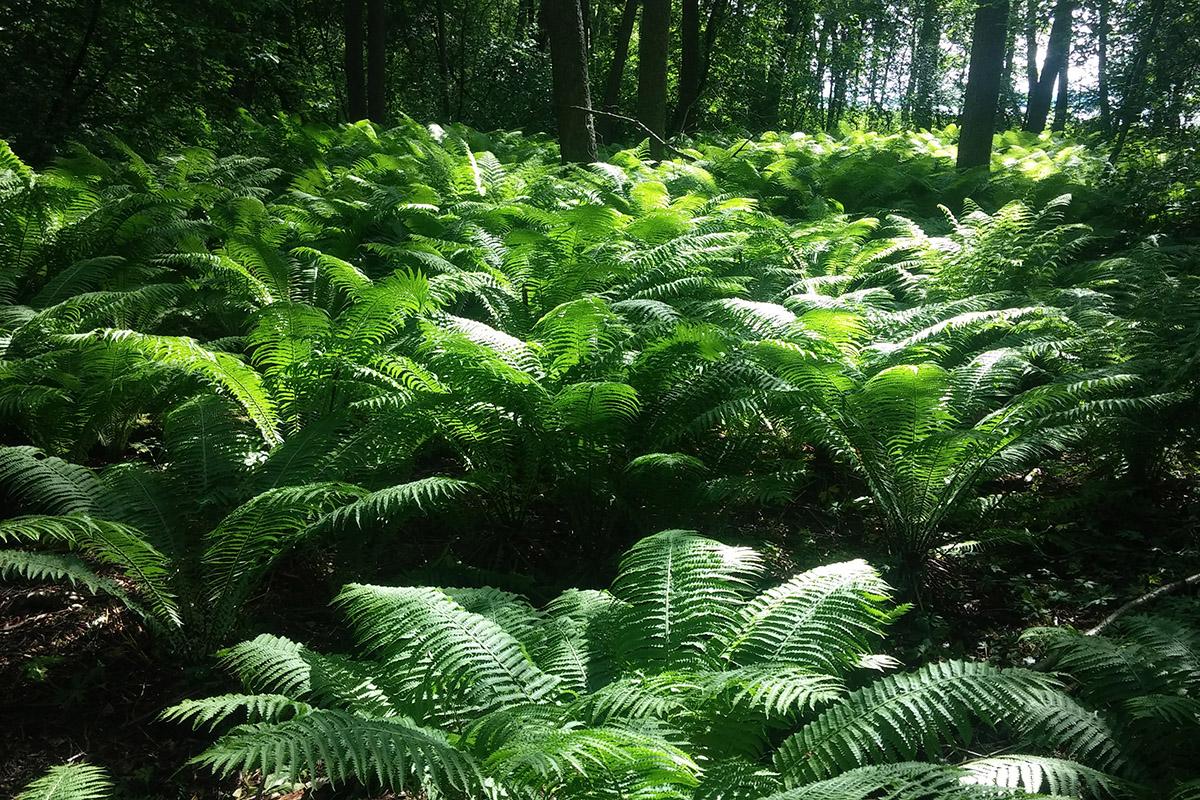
{"x":1102,"y":68}
{"x":1057,"y":50}
{"x":55,"y":122}
{"x":983,"y":84}
{"x":1060,"y":101}
{"x":1010,"y":108}
{"x":439,"y":14}
{"x":925,"y":63}
{"x":568,"y":58}
{"x":1132,"y":102}
{"x":607,"y":126}
{"x":1031,"y":50}
{"x":779,"y":68}
{"x":716,"y":19}
{"x":376,"y":61}
{"x":689,"y":64}
{"x":356,"y":93}
{"x":816,"y":98}
{"x":653,"y":42}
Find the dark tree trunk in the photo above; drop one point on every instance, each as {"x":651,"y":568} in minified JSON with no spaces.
{"x":1060,"y":101}
{"x":1102,"y":68}
{"x":983,"y":84}
{"x":1031,"y":50}
{"x":712,"y":28}
{"x":439,"y":13}
{"x":568,"y":57}
{"x":356,"y":92}
{"x":1131,"y":105}
{"x":779,"y":69}
{"x":689,"y":65}
{"x":816,"y":98}
{"x":653,"y":42}
{"x":925,"y":64}
{"x":606,"y":126}
{"x":376,"y":61}
{"x":1010,"y":107}
{"x":56,"y":118}
{"x":1057,"y":50}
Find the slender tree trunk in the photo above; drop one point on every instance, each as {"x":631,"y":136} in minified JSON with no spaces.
{"x":356,"y":93}
{"x":55,"y":117}
{"x":376,"y":61}
{"x":689,"y":64}
{"x":1031,"y":51}
{"x":779,"y":69}
{"x":460,"y":94}
{"x":1060,"y":101}
{"x":717,"y":14}
{"x":925,"y":64}
{"x":1057,"y":50}
{"x":653,"y":43}
{"x":568,"y":58}
{"x":606,"y":126}
{"x":1102,"y":68}
{"x":815,"y":108}
{"x":443,"y":53}
{"x":1009,"y":106}
{"x":1131,"y":105}
{"x":983,"y":84}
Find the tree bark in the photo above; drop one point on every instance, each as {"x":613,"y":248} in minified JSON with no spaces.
{"x":1060,"y":101}
{"x":983,"y":84}
{"x":1031,"y":51}
{"x":1010,"y":108}
{"x":1132,"y":102}
{"x":689,"y":64}
{"x":356,"y":93}
{"x":376,"y":61}
{"x":572,"y":97}
{"x":611,"y":102}
{"x":795,"y":14}
{"x":1102,"y":67}
{"x":55,"y":116}
{"x":712,"y":28}
{"x":439,"y":13}
{"x":925,"y":63}
{"x":653,"y":43}
{"x":1057,"y":50}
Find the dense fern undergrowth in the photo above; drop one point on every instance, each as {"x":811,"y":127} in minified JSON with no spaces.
{"x":436,"y":353}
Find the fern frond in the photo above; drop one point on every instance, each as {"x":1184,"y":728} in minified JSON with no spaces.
{"x":826,"y":618}
{"x":899,"y":716}
{"x":69,"y":782}
{"x":425,"y":635}
{"x":211,"y":712}
{"x":393,"y":753}
{"x":682,"y":591}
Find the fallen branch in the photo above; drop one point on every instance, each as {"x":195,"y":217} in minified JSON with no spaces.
{"x":1138,"y":602}
{"x":640,"y":124}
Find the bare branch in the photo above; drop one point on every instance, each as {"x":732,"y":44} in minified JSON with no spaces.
{"x":640,"y":124}
{"x":1138,"y":602}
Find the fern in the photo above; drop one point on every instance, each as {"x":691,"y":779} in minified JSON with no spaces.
{"x":582,"y":696}
{"x":69,"y":782}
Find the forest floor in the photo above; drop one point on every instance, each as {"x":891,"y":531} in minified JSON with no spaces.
{"x":65,"y":654}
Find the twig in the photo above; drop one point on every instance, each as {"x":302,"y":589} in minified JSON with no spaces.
{"x":1170,"y":588}
{"x":739,"y":148}
{"x":640,"y":124}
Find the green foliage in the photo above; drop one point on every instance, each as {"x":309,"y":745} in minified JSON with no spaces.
{"x":411,"y":328}
{"x":1143,"y":676}
{"x":69,"y":782}
{"x":683,"y":683}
